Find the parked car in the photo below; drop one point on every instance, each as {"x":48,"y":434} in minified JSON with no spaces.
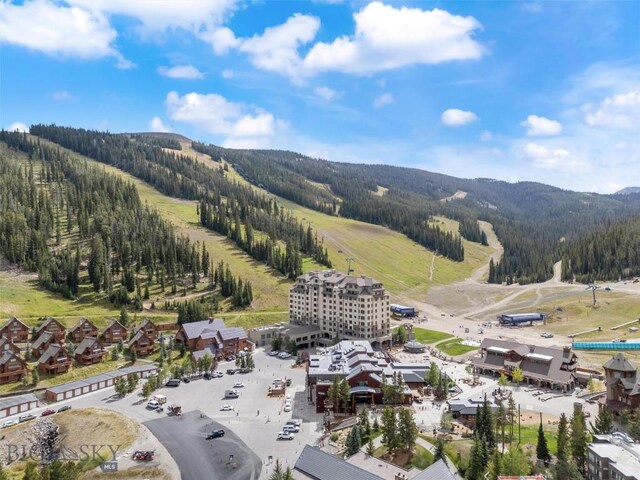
{"x":173,"y":382}
{"x":230,"y":358}
{"x":273,"y":353}
{"x":245,"y":370}
{"x":217,"y":374}
{"x":226,"y":408}
{"x":546,"y":335}
{"x":48,"y":411}
{"x":284,"y":355}
{"x":186,"y":379}
{"x":238,"y":385}
{"x":287,"y":407}
{"x":231,"y":371}
{"x":64,"y":409}
{"x":215,"y":434}
{"x":296,"y":422}
{"x":153,"y":404}
{"x":26,"y":418}
{"x":207,"y":376}
{"x":291,"y":429}
{"x":285,"y":436}
{"x":9,"y":423}
{"x":288,"y":382}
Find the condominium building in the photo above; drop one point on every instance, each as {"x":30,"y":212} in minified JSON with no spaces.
{"x":613,"y":457}
{"x":341,"y":306}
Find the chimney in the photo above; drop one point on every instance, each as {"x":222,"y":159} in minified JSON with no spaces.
{"x":532,"y":348}
{"x":362,"y":276}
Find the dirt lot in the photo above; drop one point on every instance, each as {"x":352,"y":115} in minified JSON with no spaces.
{"x":81,"y":429}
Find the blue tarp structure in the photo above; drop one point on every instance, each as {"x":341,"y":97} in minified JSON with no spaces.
{"x":606,"y":345}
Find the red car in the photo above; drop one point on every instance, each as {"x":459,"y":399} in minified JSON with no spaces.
{"x":48,"y":411}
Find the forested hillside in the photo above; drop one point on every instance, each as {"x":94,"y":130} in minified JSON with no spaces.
{"x":534,"y":222}
{"x":610,"y":253}
{"x":255,"y":222}
{"x":58,"y":213}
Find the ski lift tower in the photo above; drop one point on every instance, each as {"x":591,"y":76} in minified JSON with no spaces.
{"x":593,"y":287}
{"x":350,"y":270}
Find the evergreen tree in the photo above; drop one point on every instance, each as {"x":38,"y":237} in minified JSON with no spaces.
{"x":542,"y":450}
{"x":495,"y":466}
{"x":603,"y":422}
{"x":354,"y":441}
{"x":579,"y":439}
{"x":390,"y":430}
{"x":407,"y":429}
{"x":563,"y":438}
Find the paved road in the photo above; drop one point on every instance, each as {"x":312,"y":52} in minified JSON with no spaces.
{"x":199,"y":458}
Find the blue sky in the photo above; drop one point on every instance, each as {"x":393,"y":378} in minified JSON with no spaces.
{"x":543,"y":91}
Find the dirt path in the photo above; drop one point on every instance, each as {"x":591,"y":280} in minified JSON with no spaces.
{"x":433,"y":264}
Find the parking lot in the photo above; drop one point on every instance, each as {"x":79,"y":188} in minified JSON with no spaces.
{"x":256,"y":418}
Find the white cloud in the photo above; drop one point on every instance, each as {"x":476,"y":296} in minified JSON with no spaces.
{"x":546,"y":158}
{"x":222,"y":39}
{"x":326,"y":93}
{"x":238,"y":124}
{"x":387,"y":38}
{"x":619,"y":111}
{"x":382,"y":100}
{"x":61,"y":96}
{"x":58,"y":30}
{"x":486,"y":136}
{"x":19,"y":126}
{"x":227,"y":73}
{"x":156,"y":16}
{"x":540,"y":126}
{"x":181,"y":71}
{"x":454,"y":117}
{"x":156,"y":125}
{"x":276,"y":49}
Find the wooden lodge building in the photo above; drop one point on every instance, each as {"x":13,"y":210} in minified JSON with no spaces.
{"x":12,"y":367}
{"x":90,"y":351}
{"x":54,"y":327}
{"x":55,"y":360}
{"x":84,"y":328}
{"x":114,"y":332}
{"x":544,"y":367}
{"x":623,"y":385}
{"x":15,"y":330}
{"x":141,"y":343}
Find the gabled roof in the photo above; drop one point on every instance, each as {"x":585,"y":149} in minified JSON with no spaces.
{"x":48,"y":321}
{"x":52,"y":351}
{"x":198,"y":354}
{"x":5,"y":340}
{"x":8,"y":356}
{"x":137,"y":337}
{"x":113,"y":322}
{"x":436,"y":471}
{"x":195,"y":329}
{"x":86,"y":344}
{"x":231,"y":333}
{"x":323,"y":466}
{"x":42,"y":339}
{"x":146,"y":322}
{"x":13,"y":319}
{"x":620,"y":363}
{"x":80,"y":323}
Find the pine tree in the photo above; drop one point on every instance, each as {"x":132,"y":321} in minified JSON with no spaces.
{"x":562,"y":438}
{"x":353,"y":441}
{"x":579,"y":439}
{"x":542,"y":450}
{"x":603,"y":422}
{"x":439,"y":451}
{"x":370,"y":448}
{"x":390,"y":430}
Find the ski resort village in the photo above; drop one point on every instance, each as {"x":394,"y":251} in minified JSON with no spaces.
{"x":351,"y":387}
